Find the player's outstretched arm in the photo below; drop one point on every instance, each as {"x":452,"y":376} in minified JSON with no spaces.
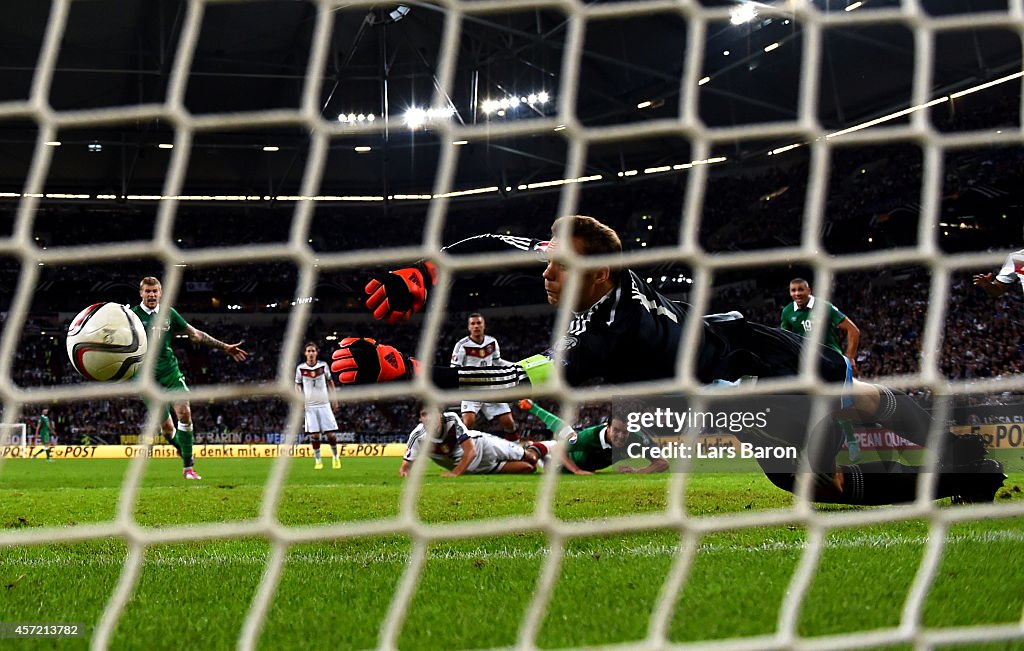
{"x":656,"y":465}
{"x":364,"y":361}
{"x":395,"y":297}
{"x":234,"y":351}
{"x":992,"y":286}
{"x":468,"y":454}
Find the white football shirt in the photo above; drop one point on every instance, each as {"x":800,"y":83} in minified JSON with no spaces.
{"x":469,"y":353}
{"x":314,"y":383}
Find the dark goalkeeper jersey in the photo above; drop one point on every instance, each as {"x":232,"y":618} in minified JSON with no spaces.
{"x":633,"y":333}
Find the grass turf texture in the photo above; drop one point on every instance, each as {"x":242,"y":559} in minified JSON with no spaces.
{"x":471,"y":593}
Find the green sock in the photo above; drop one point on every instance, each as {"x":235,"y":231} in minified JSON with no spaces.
{"x":172,"y":440}
{"x":185,"y":438}
{"x":48,"y":452}
{"x":554,"y":423}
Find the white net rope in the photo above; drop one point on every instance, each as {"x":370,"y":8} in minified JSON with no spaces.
{"x":691,"y":528}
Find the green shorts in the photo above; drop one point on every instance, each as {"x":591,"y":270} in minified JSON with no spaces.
{"x":45,"y":437}
{"x":172,"y":382}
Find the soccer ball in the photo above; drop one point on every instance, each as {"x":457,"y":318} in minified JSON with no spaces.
{"x":106,"y":342}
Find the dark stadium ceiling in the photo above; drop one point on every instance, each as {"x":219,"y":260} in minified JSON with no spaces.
{"x":252,"y":56}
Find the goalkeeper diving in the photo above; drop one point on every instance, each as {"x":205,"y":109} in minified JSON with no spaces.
{"x":623,"y":330}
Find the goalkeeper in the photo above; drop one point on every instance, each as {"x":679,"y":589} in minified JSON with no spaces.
{"x":592,"y":448}
{"x":623,"y":330}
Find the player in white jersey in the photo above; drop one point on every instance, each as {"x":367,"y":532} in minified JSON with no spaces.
{"x":1011,"y":273}
{"x":480,"y":350}
{"x":461,"y":450}
{"x":313,"y":381}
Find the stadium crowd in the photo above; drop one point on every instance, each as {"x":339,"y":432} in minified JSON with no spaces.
{"x":872,"y":202}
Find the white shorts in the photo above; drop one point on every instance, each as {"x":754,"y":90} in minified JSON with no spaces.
{"x":492,"y":453}
{"x":491,"y":410}
{"x":320,"y":419}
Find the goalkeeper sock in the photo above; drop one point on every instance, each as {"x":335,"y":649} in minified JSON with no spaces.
{"x":906,"y":418}
{"x":887,"y":482}
{"x":185,"y":439}
{"x":878,"y":482}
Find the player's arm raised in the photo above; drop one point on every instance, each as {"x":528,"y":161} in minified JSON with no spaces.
{"x":234,"y":351}
{"x":394,"y":297}
{"x":992,"y":285}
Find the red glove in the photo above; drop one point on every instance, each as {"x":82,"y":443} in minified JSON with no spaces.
{"x":364,"y":361}
{"x":395,"y":297}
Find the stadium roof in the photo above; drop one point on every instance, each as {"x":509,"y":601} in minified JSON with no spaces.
{"x":384,"y":60}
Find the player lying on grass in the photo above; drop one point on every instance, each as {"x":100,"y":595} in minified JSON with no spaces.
{"x":623,"y":330}
{"x":591,"y":448}
{"x":461,"y":450}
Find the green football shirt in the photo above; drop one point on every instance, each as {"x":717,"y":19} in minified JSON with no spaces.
{"x":167,"y":362}
{"x":799,"y":321}
{"x":590,"y":451}
{"x":44,"y":428}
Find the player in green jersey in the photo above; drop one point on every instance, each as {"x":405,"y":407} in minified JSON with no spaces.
{"x":796,"y":318}
{"x":592,"y":448}
{"x":167,"y":372}
{"x":44,"y":433}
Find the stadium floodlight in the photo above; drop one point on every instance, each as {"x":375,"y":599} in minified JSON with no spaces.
{"x":370,"y":117}
{"x":271,"y":148}
{"x":644,"y":104}
{"x":703,"y":80}
{"x":725,"y":53}
{"x":362,"y":149}
{"x":361,"y":117}
{"x":743,"y":13}
{"x":52,"y":143}
{"x":773,"y":46}
{"x":398,"y":13}
{"x":165,"y":145}
{"x":853,"y":6}
{"x":531,"y":98}
{"x":351,"y":117}
{"x":95,"y":146}
{"x":543,"y":97}
{"x":415,"y":117}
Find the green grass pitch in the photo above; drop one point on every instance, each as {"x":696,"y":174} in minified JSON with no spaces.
{"x":472,"y":593}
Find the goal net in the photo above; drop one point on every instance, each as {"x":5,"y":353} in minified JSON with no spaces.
{"x":14,"y":439}
{"x":288,"y":151}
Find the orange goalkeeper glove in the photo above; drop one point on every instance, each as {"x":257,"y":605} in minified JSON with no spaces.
{"x":364,"y":361}
{"x":395,"y":297}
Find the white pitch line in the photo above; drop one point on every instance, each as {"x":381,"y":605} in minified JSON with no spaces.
{"x":165,"y":559}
